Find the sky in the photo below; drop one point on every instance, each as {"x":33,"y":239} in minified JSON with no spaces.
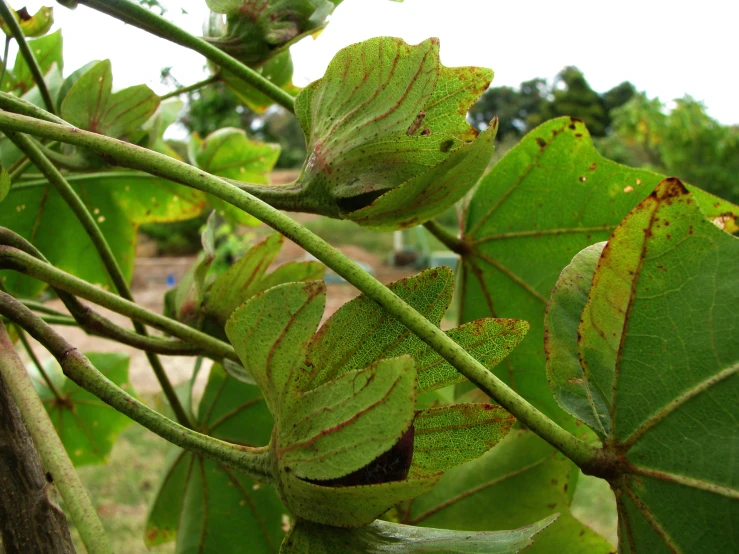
{"x":667,"y":49}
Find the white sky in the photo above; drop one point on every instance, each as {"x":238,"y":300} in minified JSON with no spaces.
{"x":667,"y":49}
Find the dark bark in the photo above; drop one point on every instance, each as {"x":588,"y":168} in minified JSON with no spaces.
{"x":30,"y":521}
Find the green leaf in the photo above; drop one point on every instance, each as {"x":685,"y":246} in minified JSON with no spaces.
{"x":90,"y":104}
{"x":4,"y":183}
{"x":382,"y":536}
{"x":349,"y":506}
{"x":47,"y":51}
{"x":547,"y":199}
{"x":228,"y":153}
{"x":489,"y":341}
{"x":32,"y":25}
{"x":87,"y":426}
{"x":119,"y":203}
{"x":565,"y":375}
{"x":657,"y":342}
{"x":206,"y":506}
{"x":270,"y":333}
{"x":72,"y":79}
{"x":367,"y":134}
{"x":278,"y":70}
{"x":430,"y":193}
{"x":346,"y":423}
{"x":361,"y":332}
{"x":453,"y":435}
{"x":520,"y":480}
{"x":165,"y":115}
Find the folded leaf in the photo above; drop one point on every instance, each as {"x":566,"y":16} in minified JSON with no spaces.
{"x":382,"y":536}
{"x":573,"y":392}
{"x":346,"y":423}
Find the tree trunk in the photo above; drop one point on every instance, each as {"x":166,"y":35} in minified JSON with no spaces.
{"x":30,"y":521}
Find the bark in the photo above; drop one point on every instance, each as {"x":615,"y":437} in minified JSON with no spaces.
{"x":30,"y":520}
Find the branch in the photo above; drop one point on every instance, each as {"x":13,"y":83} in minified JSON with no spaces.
{"x":255,"y":462}
{"x":50,"y":447}
{"x":83,"y":215}
{"x":30,"y":520}
{"x":453,"y":243}
{"x":38,"y":77}
{"x":140,"y":17}
{"x":191,"y":88}
{"x":129,"y":155}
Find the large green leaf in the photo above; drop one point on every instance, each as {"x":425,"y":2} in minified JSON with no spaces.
{"x":547,"y":199}
{"x":206,"y":506}
{"x":657,"y":343}
{"x":87,"y":426}
{"x":229,"y":153}
{"x":382,"y":536}
{"x":47,"y":51}
{"x":90,"y":104}
{"x":119,"y":203}
{"x":522,"y":479}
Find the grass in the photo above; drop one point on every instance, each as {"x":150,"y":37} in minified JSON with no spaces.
{"x":122,"y":489}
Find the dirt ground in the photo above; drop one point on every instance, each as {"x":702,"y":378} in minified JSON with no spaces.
{"x":149,"y":286}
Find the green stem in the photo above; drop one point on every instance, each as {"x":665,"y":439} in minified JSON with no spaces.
{"x":34,"y":359}
{"x":140,"y":17}
{"x":83,"y":215}
{"x":25,"y":50}
{"x":18,"y":105}
{"x":453,"y":243}
{"x":190,"y":88}
{"x":18,"y":260}
{"x":255,"y":462}
{"x":135,"y":157}
{"x":51,"y":449}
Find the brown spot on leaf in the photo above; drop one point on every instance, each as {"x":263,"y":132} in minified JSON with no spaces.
{"x":446,"y":145}
{"x":593,"y":166}
{"x":541,"y":142}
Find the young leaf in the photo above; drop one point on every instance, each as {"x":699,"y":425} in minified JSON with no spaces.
{"x":119,"y":204}
{"x":32,"y":25}
{"x":522,"y":479}
{"x":90,"y":104}
{"x":206,"y":506}
{"x":572,"y":391}
{"x":279,"y":70}
{"x":270,"y":334}
{"x":373,"y":158}
{"x":87,"y":426}
{"x":257,"y":31}
{"x":453,"y":435}
{"x":360,"y":333}
{"x":547,"y":199}
{"x":47,"y":51}
{"x":228,"y":153}
{"x":345,"y":424}
{"x":657,"y":342}
{"x":382,"y":536}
